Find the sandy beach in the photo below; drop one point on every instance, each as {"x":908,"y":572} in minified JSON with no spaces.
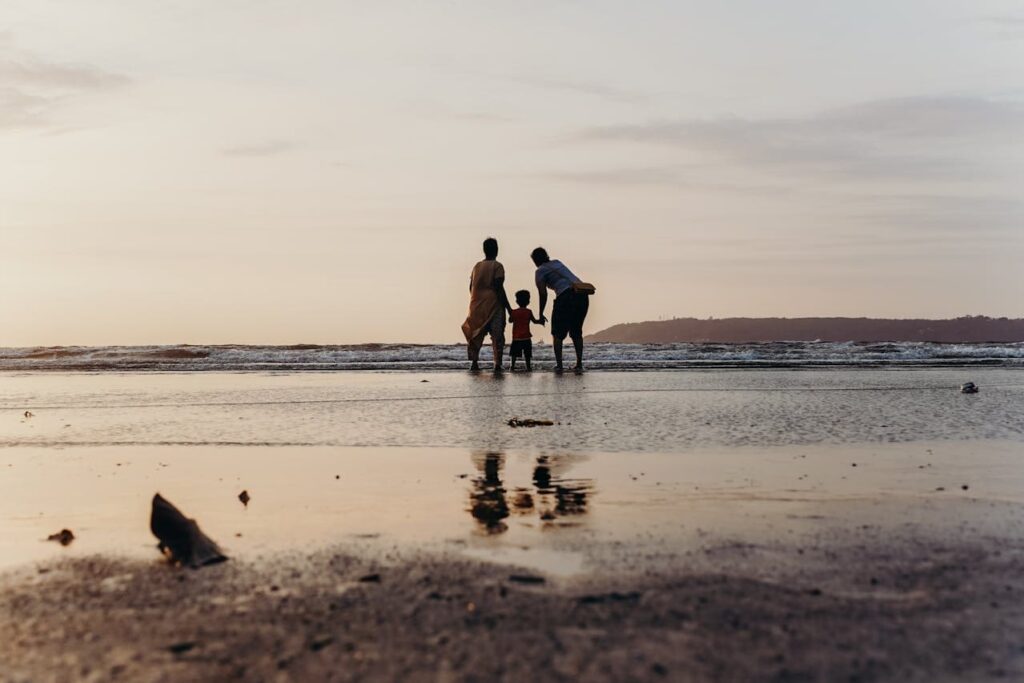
{"x":750,"y":525}
{"x":267,"y":270}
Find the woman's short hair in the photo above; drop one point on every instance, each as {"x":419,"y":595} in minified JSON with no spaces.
{"x":490,"y":247}
{"x":539,"y":256}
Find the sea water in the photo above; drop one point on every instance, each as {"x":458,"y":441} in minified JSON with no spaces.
{"x":309,"y":357}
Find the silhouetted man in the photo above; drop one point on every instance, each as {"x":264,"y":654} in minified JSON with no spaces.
{"x":570,"y":307}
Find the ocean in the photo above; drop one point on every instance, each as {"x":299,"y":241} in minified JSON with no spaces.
{"x":436,"y":357}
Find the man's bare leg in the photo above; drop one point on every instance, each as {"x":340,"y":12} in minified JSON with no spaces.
{"x":577,"y":343}
{"x":557,"y":344}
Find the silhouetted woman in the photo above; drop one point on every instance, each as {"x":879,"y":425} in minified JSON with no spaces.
{"x":570,"y":307}
{"x":488,"y":306}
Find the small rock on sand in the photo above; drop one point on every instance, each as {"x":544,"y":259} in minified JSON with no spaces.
{"x":318,"y":644}
{"x":244,"y":497}
{"x":178,"y":648}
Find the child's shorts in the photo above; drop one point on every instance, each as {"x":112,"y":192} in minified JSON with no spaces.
{"x":522,"y":348}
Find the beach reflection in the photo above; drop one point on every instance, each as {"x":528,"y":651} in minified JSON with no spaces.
{"x":552,"y":495}
{"x":488,"y":502}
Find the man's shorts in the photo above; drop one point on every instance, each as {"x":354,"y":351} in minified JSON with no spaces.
{"x":568,"y":314}
{"x":522,"y":348}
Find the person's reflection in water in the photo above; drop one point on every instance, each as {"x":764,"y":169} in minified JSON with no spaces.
{"x":487,"y":499}
{"x":559,"y":497}
{"x":554,"y":495}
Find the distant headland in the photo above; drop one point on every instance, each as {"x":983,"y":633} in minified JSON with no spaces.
{"x":965,"y":329}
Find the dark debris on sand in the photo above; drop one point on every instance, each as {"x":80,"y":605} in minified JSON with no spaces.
{"x":64,"y":537}
{"x":180,"y":538}
{"x":529,"y":422}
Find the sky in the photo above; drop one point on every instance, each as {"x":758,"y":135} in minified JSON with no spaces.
{"x":275,"y":172}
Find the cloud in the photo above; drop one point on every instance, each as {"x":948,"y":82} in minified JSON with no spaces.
{"x":609,"y":93}
{"x":482,"y":117}
{"x":974,"y":218}
{"x":1008,"y":26}
{"x":1005,"y":20}
{"x":268,"y":148}
{"x":33,"y":89}
{"x":913,"y":137}
{"x":605,"y":92}
{"x":644,"y":175}
{"x":689,"y":177}
{"x":27,"y":72}
{"x":20,"y":109}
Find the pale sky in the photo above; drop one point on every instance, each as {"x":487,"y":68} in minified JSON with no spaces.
{"x":324,"y":172}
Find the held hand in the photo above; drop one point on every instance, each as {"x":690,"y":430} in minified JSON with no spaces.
{"x":510,"y":318}
{"x":543,"y":319}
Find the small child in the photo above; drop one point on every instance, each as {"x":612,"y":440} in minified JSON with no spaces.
{"x":521,"y":319}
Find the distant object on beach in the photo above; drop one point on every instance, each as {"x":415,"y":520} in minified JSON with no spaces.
{"x":956,"y":330}
{"x":968,"y":388}
{"x":64,"y":537}
{"x":180,"y":537}
{"x":529,"y":422}
{"x":244,"y":497}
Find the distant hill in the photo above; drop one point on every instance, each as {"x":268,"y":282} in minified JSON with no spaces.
{"x":965,"y":329}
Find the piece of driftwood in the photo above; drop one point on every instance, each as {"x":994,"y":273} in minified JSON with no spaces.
{"x":968,"y":388}
{"x":528,"y":422}
{"x":180,"y":538}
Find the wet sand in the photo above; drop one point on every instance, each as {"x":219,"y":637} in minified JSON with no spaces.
{"x":426,"y":564}
{"x":862,"y":606}
{"x":800,"y":558}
